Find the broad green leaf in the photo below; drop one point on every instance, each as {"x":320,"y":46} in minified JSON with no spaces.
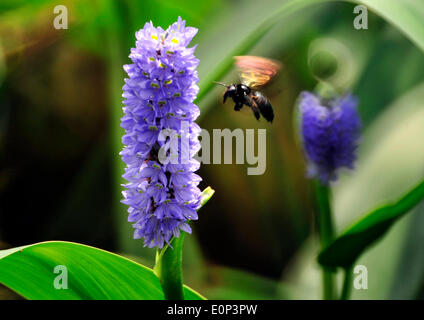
{"x":92,"y":273}
{"x":190,"y":294}
{"x":344,"y":251}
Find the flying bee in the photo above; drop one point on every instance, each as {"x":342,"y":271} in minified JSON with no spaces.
{"x":255,"y":72}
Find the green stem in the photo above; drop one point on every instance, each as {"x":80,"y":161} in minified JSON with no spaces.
{"x":326,"y":232}
{"x":347,"y":284}
{"x":169,"y":270}
{"x":169,"y":259}
{"x":328,"y":283}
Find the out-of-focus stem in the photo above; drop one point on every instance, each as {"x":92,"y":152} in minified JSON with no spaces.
{"x":346,"y":284}
{"x":323,"y":195}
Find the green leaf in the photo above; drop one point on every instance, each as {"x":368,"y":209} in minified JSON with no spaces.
{"x":207,"y":194}
{"x":406,"y":15}
{"x":344,"y":251}
{"x":409,"y":274}
{"x":92,"y":274}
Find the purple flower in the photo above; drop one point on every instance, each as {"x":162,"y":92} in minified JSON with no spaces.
{"x":330,"y":131}
{"x":159,"y":115}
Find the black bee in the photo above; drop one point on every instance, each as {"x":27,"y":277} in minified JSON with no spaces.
{"x":254,"y":73}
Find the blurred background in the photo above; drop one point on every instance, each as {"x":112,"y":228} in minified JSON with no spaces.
{"x":60,"y":109}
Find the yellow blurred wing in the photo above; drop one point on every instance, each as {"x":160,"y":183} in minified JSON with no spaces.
{"x":256,"y":71}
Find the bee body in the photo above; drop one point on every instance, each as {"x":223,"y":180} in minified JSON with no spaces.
{"x":244,"y":95}
{"x":255,"y":72}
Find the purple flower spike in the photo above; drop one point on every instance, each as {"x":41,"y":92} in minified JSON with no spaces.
{"x":330,"y":130}
{"x":159,"y":93}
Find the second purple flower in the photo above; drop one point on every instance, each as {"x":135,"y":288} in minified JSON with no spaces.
{"x":330,"y":132}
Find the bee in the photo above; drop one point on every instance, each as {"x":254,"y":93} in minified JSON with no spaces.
{"x":255,"y":72}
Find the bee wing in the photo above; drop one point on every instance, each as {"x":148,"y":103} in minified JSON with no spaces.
{"x":256,"y":71}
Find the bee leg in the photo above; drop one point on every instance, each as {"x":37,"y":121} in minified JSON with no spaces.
{"x":251,"y":102}
{"x":256,"y":112}
{"x":238,"y":106}
{"x":226,"y":95}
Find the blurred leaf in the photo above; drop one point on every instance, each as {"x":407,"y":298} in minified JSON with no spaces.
{"x":390,"y":162}
{"x":190,"y":294}
{"x":344,"y":251}
{"x":409,"y":276}
{"x":8,"y":5}
{"x":93,"y":273}
{"x":393,"y":141}
{"x":193,"y":262}
{"x":406,"y":15}
{"x":389,"y":46}
{"x":116,"y":52}
{"x":303,"y":274}
{"x":166,"y":12}
{"x":234,"y":284}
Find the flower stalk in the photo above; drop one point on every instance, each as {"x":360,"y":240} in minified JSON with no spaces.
{"x":326,"y":231}
{"x":168,"y":268}
{"x":346,"y":284}
{"x":168,"y":265}
{"x":330,"y":131}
